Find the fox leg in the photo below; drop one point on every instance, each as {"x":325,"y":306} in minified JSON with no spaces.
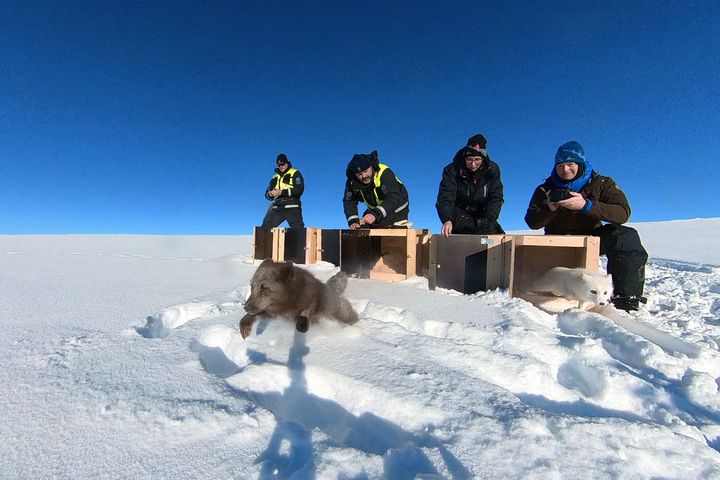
{"x":305,"y":318}
{"x":346,"y":313}
{"x":301,"y":323}
{"x":246,"y":325}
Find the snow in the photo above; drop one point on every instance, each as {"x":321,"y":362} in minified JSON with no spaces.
{"x":122,"y":359}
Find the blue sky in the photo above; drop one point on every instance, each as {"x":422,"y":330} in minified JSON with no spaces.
{"x":166,"y":117}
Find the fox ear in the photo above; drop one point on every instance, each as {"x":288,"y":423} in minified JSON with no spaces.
{"x":285,"y":272}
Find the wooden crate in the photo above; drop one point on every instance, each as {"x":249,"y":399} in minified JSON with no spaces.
{"x":470,"y":263}
{"x":536,"y":254}
{"x":297,"y":245}
{"x":386,"y":254}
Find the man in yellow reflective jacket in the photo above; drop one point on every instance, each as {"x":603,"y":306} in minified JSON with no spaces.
{"x":375,"y":185}
{"x":284,"y":190}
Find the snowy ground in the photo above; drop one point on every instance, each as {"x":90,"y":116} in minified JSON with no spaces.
{"x":121,"y":359}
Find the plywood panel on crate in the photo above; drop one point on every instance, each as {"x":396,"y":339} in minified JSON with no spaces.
{"x":328,"y":246}
{"x":470,"y":263}
{"x":262,"y":243}
{"x":291,"y":245}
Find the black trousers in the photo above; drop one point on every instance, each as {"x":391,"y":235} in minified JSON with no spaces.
{"x":626,"y":258}
{"x":275,"y":216}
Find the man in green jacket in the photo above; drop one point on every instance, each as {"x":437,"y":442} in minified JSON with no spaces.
{"x":576,"y":200}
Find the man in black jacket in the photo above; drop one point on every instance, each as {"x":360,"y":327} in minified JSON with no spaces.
{"x":284,"y":190}
{"x":471,"y":192}
{"x":375,"y":185}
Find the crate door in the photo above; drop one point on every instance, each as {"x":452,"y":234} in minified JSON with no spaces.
{"x":330,"y":246}
{"x":463,"y":263}
{"x":295,"y":243}
{"x":355,"y":249}
{"x":262,"y":243}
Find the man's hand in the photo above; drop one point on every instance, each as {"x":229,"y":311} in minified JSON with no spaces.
{"x":354,"y":226}
{"x":446,"y":229}
{"x":275,"y":193}
{"x":575,"y":202}
{"x":368,"y":219}
{"x":553,"y":206}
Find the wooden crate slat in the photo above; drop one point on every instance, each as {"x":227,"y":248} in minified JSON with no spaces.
{"x":550,"y":240}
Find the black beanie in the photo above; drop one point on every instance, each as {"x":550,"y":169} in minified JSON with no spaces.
{"x":477,"y":142}
{"x":360,"y":162}
{"x":282,"y":158}
{"x":475,"y":147}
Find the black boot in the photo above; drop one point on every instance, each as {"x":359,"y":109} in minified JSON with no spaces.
{"x":628,"y":303}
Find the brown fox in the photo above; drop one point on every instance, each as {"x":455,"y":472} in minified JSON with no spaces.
{"x":279,"y":289}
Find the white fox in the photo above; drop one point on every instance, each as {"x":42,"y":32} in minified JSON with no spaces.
{"x":576,"y":284}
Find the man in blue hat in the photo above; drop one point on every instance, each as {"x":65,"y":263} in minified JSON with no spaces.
{"x":375,"y":185}
{"x":576,"y":200}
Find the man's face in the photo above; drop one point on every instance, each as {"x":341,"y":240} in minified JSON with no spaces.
{"x":566,"y":171}
{"x":283,"y":167}
{"x":473,"y":163}
{"x":365,"y":176}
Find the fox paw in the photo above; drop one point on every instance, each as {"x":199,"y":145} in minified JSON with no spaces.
{"x":246,"y":325}
{"x":301,"y":324}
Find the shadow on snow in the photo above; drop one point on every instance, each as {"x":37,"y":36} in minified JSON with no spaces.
{"x":290,"y":450}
